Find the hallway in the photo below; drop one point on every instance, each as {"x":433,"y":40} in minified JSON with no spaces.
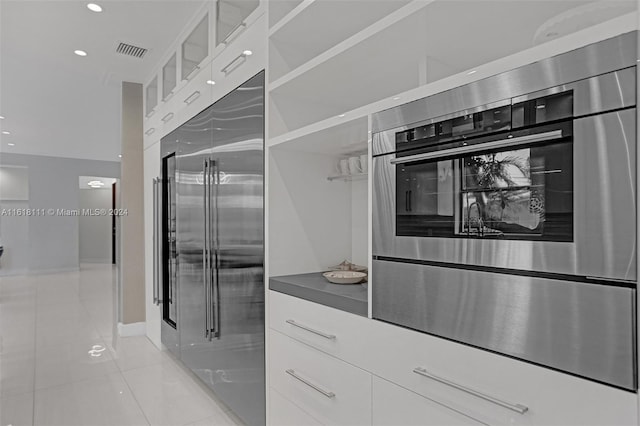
{"x":61,"y":365}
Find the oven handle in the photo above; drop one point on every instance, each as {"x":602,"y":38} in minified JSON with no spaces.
{"x":538,"y":137}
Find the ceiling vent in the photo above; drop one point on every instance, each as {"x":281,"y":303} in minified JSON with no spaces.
{"x":131,"y":50}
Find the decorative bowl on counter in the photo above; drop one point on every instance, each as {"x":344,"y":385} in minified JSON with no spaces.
{"x":344,"y":277}
{"x":348,"y":266}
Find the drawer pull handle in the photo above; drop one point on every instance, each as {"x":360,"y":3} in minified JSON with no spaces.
{"x":192,"y":97}
{"x":167,"y":117}
{"x":311,"y":330}
{"x":239,"y":60}
{"x":518,"y":408}
{"x":150,"y":131}
{"x":293,"y":374}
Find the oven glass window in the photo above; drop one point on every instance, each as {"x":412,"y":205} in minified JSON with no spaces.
{"x":516,"y":193}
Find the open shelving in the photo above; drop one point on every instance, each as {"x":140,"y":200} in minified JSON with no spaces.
{"x":304,"y":34}
{"x":282,"y":10}
{"x":400,"y":52}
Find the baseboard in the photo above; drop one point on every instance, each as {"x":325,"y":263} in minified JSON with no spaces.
{"x":53,"y":270}
{"x":133,"y":329}
{"x":13,"y":272}
{"x":100,"y":261}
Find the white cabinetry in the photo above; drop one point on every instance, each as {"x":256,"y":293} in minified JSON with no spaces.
{"x":169,"y":77}
{"x":151,"y":171}
{"x":232,"y":18}
{"x":396,"y":406}
{"x":335,"y":332}
{"x":420,"y":376}
{"x":283,"y":412}
{"x":328,"y":389}
{"x":195,"y":48}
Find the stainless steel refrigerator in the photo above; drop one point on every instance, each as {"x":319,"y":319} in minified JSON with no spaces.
{"x":213,"y":173}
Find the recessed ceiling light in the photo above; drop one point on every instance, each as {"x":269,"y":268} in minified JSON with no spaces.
{"x":94,"y":7}
{"x":396,"y":98}
{"x":2,"y":118}
{"x":119,"y":155}
{"x":472,"y":72}
{"x":247,"y":53}
{"x":211,"y":82}
{"x":80,"y":52}
{"x":11,"y":144}
{"x":341,"y":115}
{"x":6,"y":133}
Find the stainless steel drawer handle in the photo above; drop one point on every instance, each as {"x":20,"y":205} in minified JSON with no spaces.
{"x":167,"y":117}
{"x":239,"y":60}
{"x":315,"y":387}
{"x":518,"y":408}
{"x":192,"y":97}
{"x":150,"y":131}
{"x":311,"y":330}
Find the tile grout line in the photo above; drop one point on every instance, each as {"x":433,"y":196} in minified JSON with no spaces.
{"x":35,"y":349}
{"x":134,"y":397}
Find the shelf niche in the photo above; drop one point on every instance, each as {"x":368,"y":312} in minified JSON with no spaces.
{"x":315,"y":223}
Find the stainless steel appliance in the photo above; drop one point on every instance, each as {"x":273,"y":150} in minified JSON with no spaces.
{"x":213,"y":248}
{"x":505,"y":213}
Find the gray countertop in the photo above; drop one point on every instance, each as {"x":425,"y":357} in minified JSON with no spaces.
{"x":315,"y":288}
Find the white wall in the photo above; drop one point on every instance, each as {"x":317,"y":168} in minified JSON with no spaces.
{"x":95,"y":231}
{"x":51,"y":242}
{"x":14,"y":183}
{"x":309,"y":216}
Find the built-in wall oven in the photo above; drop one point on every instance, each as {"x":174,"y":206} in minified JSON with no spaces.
{"x":505,"y":213}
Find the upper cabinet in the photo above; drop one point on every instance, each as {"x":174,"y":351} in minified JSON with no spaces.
{"x":169,"y":77}
{"x":151,"y":96}
{"x":230,"y":18}
{"x":195,"y":48}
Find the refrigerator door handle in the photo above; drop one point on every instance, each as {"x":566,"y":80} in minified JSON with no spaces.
{"x":215,"y":306}
{"x":155,"y":241}
{"x":205,"y":249}
{"x":171,"y":232}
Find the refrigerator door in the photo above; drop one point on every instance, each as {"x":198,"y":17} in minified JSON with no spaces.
{"x":167,"y":247}
{"x":230,"y":358}
{"x":194,"y":145}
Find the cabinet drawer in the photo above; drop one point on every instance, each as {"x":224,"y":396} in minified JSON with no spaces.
{"x":283,"y":412}
{"x":152,"y":127}
{"x":233,"y":66}
{"x":335,"y":332}
{"x":493,"y":388}
{"x":396,"y":406}
{"x":330,"y":390}
{"x":195,"y":96}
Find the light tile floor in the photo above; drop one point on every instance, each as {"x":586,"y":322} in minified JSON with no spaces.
{"x":62,"y":364}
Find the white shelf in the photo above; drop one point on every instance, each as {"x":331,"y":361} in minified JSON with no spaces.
{"x":337,"y":137}
{"x":315,"y":26}
{"x":349,"y":42}
{"x":402,"y":52}
{"x":346,"y":178}
{"x":282,"y":12}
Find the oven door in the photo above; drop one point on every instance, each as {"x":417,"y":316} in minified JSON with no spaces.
{"x":538,"y":204}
